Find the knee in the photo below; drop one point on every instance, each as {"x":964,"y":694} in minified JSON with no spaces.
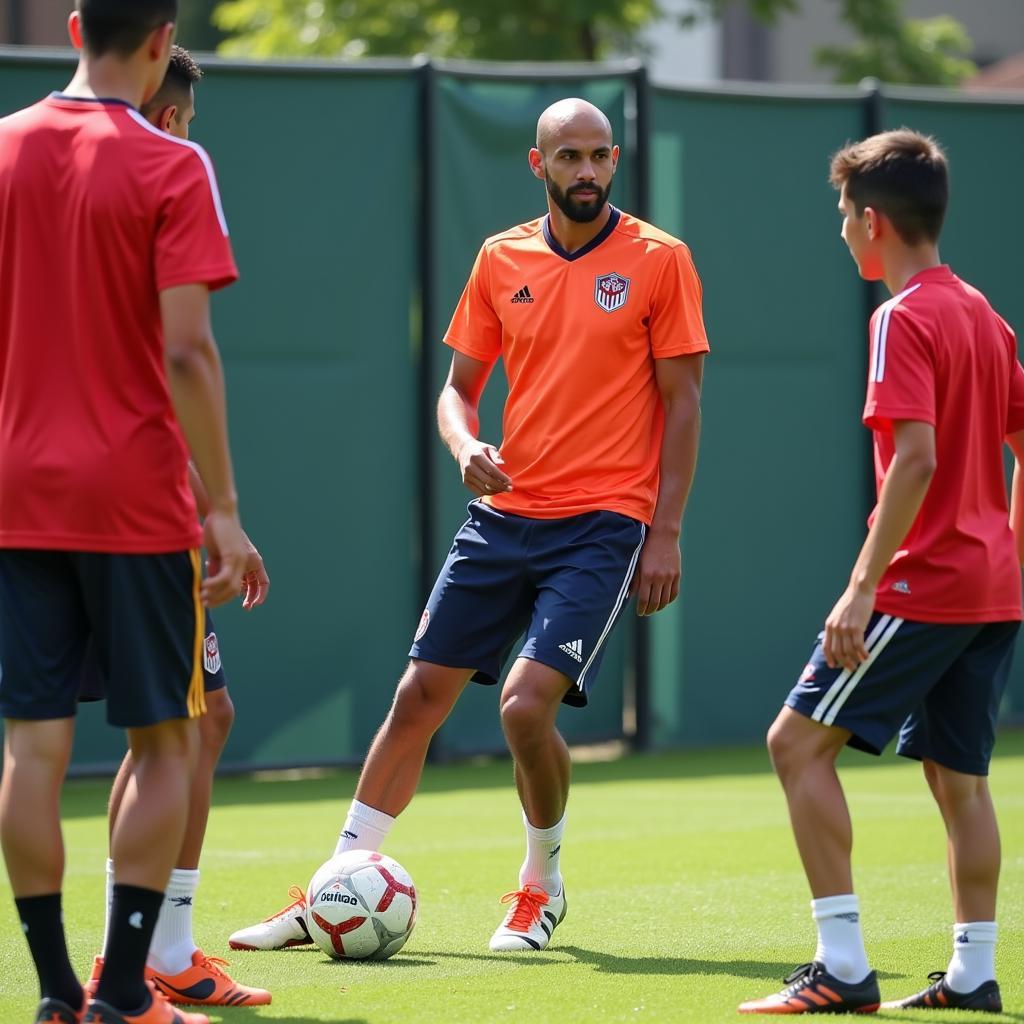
{"x":954,"y":789}
{"x":523,"y":718}
{"x":793,"y":748}
{"x":215,"y":725}
{"x":415,"y":708}
{"x":174,"y":740}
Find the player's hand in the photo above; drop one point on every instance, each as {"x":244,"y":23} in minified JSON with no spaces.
{"x":656,"y":581}
{"x":479,"y":464}
{"x":227,"y":549}
{"x":844,"y":628}
{"x":255,"y":581}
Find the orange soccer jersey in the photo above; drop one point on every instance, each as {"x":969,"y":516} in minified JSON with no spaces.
{"x":579,"y":333}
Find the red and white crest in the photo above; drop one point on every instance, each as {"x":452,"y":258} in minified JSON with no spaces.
{"x":211,"y":654}
{"x":422,"y":628}
{"x":611,"y":292}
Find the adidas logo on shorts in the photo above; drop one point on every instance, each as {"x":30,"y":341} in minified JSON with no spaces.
{"x":573,"y":649}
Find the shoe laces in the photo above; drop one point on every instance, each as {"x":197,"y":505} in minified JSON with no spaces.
{"x":800,"y":977}
{"x":215,"y":965}
{"x":299,"y":899}
{"x":526,"y":912}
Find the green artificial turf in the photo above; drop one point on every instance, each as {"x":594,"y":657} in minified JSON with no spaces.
{"x":685,"y":893}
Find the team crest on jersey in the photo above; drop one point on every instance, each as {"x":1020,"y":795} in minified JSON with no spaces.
{"x":611,"y":292}
{"x":211,"y":654}
{"x":422,"y":628}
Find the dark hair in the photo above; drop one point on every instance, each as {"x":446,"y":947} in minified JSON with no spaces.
{"x":903,"y":174}
{"x":182,"y":73}
{"x":121,"y":26}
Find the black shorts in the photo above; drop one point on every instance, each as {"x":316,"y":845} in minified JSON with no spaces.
{"x":140,"y":614}
{"x":93,"y":686}
{"x":939,"y":686}
{"x":564,"y":582}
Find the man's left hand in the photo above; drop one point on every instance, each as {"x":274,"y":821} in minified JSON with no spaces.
{"x":656,"y":582}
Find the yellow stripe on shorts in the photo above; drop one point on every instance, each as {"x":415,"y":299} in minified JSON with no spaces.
{"x":197,"y":685}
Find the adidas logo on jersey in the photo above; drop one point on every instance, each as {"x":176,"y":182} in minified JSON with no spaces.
{"x":574,"y":649}
{"x":901,"y":587}
{"x":523,"y":295}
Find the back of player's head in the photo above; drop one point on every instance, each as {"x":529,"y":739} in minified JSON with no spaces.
{"x":902,"y":174}
{"x":182,"y":73}
{"x":121,"y":26}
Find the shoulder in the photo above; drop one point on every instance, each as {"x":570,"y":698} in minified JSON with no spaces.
{"x":652,"y":239}
{"x":181,"y":154}
{"x":25,"y":119}
{"x":515,"y":236}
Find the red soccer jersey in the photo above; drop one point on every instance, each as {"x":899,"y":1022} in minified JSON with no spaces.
{"x":941,"y":355}
{"x":99,"y":213}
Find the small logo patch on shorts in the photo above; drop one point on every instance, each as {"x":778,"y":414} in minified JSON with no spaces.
{"x":211,"y":654}
{"x":573,"y":649}
{"x":422,"y":628}
{"x":807,"y":675}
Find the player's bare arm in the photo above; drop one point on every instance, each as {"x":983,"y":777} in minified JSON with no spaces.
{"x":255,"y":580}
{"x":458,"y":420}
{"x":657,"y":577}
{"x":1016,"y":443}
{"x":900,"y":500}
{"x":196,"y":382}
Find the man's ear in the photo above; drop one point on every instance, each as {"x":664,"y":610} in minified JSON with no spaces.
{"x":75,"y":30}
{"x":536,"y":159}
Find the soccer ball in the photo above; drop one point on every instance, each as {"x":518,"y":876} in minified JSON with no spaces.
{"x":360,"y":906}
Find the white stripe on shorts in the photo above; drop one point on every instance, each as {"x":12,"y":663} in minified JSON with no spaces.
{"x":841,"y":679}
{"x":837,"y":704}
{"x":616,"y":608}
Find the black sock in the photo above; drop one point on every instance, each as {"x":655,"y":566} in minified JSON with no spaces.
{"x":133,"y":914}
{"x":43,"y":924}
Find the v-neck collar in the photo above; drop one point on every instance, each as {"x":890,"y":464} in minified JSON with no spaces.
{"x":614,"y":217}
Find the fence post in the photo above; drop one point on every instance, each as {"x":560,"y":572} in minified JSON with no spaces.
{"x":642,"y":148}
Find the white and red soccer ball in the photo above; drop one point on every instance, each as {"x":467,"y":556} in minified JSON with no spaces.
{"x":360,"y":906}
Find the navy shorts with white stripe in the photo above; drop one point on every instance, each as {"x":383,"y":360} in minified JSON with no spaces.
{"x":938,"y":685}
{"x":562,"y":582}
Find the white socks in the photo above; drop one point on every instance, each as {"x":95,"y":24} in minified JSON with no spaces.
{"x":543,"y":846}
{"x":172,"y":947}
{"x":974,"y":956}
{"x":840,"y":944}
{"x":365,"y":828}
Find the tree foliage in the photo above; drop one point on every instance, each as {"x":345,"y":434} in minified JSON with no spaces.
{"x":888,"y":45}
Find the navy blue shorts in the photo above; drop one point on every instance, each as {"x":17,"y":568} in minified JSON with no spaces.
{"x":141,"y":614}
{"x":564,"y":582}
{"x":939,"y":686}
{"x":93,"y":686}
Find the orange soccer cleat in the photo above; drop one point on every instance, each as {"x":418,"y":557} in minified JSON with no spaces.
{"x":206,"y":983}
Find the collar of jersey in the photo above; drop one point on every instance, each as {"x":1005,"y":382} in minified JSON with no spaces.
{"x":942,"y":272}
{"x":105,"y":100}
{"x":613,"y":219}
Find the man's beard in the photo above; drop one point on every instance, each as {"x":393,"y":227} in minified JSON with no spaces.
{"x":582,"y":212}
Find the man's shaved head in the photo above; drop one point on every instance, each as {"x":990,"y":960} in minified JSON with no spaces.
{"x":570,"y":116}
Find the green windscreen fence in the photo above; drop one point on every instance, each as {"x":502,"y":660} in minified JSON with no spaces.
{"x":484,"y":126}
{"x":985,"y":143}
{"x":358,"y":196}
{"x":779,"y":500}
{"x":320,"y":374}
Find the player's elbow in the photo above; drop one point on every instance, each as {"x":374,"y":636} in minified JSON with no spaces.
{"x":182,"y":351}
{"x":919,"y":466}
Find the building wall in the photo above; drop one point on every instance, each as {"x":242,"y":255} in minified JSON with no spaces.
{"x":41,"y":22}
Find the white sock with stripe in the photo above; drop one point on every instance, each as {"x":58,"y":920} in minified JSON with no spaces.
{"x":365,"y":828}
{"x":543,"y":846}
{"x":974,"y":956}
{"x":840,"y":943}
{"x":172,"y":947}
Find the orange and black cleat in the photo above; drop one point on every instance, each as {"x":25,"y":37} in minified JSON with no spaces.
{"x":811,"y":989}
{"x":56,"y":1011}
{"x":939,"y":996}
{"x":206,"y":983}
{"x":157,"y":1011}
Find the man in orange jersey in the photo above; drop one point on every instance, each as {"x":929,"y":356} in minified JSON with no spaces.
{"x":597,"y":317}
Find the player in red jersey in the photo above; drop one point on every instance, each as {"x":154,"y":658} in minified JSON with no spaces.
{"x":920,"y":641}
{"x":112,"y":236}
{"x":176,"y":965}
{"x":597,"y":319}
